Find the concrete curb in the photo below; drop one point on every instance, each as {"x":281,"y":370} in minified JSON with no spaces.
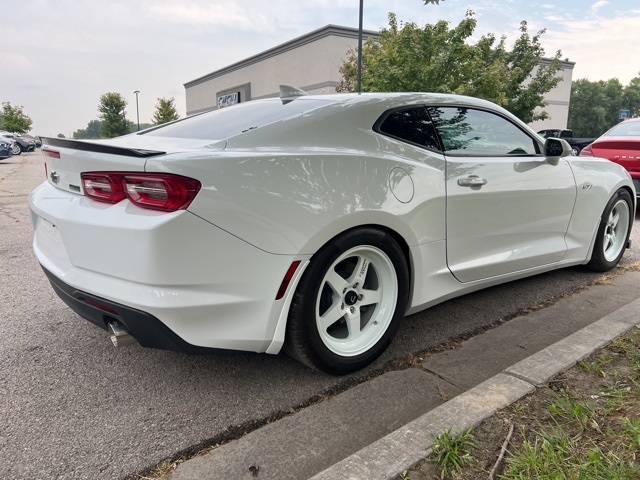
{"x":406,"y":446}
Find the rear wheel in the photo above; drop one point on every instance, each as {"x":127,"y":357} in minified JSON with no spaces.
{"x":349,"y":303}
{"x":15,"y":149}
{"x":613,"y":232}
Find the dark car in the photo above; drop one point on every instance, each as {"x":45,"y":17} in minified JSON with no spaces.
{"x":5,"y":150}
{"x":21,"y":144}
{"x":36,"y":140}
{"x":26,"y":144}
{"x":576,"y":144}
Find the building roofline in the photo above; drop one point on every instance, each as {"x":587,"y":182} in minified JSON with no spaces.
{"x":326,"y":31}
{"x":566,"y":64}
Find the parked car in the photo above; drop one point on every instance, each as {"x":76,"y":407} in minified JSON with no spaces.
{"x":25,"y":144}
{"x":5,"y":149}
{"x":313,"y":224}
{"x":620,"y":144}
{"x":10,"y":138}
{"x":576,"y":144}
{"x":36,"y":140}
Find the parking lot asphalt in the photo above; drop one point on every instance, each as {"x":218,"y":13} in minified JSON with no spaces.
{"x":381,"y":427}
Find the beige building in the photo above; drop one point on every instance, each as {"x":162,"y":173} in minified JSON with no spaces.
{"x":311,"y":62}
{"x":558,"y":100}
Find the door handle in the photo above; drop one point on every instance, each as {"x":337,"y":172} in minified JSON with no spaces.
{"x":472,"y":181}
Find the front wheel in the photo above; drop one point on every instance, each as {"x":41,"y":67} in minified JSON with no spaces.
{"x":349,"y":303}
{"x":15,"y":149}
{"x":613,"y":232}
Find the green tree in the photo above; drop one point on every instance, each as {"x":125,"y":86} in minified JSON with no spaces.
{"x":91,"y":132}
{"x":632,"y":97}
{"x":165,"y":111}
{"x":112,"y":115}
{"x":436,"y":58}
{"x":13,"y":119}
{"x":61,"y":135}
{"x":595,"y":106}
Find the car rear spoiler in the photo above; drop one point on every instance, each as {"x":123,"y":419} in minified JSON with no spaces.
{"x":99,"y":147}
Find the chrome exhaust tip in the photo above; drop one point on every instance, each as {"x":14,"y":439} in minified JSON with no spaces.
{"x":119,"y":335}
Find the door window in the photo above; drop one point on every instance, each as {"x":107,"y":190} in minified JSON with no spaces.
{"x":470,"y":132}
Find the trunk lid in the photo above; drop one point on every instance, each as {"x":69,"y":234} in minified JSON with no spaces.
{"x":66,"y":159}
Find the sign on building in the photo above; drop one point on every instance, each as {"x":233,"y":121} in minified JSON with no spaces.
{"x":228,"y":99}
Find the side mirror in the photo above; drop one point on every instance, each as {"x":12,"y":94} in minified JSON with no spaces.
{"x":554,"y":148}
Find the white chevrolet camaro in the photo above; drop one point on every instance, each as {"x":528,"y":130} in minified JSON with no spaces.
{"x":313,"y":224}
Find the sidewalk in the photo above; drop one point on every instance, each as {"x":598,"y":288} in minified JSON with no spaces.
{"x":381,"y":427}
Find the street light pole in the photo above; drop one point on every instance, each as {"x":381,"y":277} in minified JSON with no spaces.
{"x":137,"y":109}
{"x":360,"y":48}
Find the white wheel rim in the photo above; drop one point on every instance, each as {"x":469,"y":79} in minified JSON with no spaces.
{"x":356,"y":301}
{"x":615,"y":231}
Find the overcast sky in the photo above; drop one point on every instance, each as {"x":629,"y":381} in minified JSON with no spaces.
{"x":58,"y":56}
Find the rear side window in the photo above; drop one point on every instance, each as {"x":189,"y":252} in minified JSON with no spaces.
{"x":625,"y":129}
{"x":231,"y":121}
{"x":412,"y":125}
{"x":467,"y":131}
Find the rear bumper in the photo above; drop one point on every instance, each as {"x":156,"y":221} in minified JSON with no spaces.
{"x":144,"y":327}
{"x":175,"y":281}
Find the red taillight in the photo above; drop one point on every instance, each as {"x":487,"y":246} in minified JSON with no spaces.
{"x":161,"y":192}
{"x":103,"y":187}
{"x":586,"y":152}
{"x":287,"y":279}
{"x":51,"y":153}
{"x":157,"y":191}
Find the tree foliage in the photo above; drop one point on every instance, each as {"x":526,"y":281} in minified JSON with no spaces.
{"x":112,"y":115}
{"x":165,"y":111}
{"x":92,"y":131}
{"x":13,"y":119}
{"x":595,"y":106}
{"x":436,"y":58}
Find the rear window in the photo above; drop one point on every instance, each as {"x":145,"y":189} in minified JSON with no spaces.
{"x":230,"y":121}
{"x":625,"y":129}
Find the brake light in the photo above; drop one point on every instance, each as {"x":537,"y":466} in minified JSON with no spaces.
{"x":156,"y":191}
{"x":586,"y":152}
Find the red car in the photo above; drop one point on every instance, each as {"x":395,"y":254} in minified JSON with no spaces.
{"x":620,"y":144}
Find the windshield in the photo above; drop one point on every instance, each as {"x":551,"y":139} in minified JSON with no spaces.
{"x":227,"y":122}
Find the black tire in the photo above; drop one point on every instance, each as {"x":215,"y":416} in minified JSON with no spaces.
{"x":16,"y":150}
{"x":575,"y":151}
{"x":613,"y":232}
{"x":370,"y":271}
